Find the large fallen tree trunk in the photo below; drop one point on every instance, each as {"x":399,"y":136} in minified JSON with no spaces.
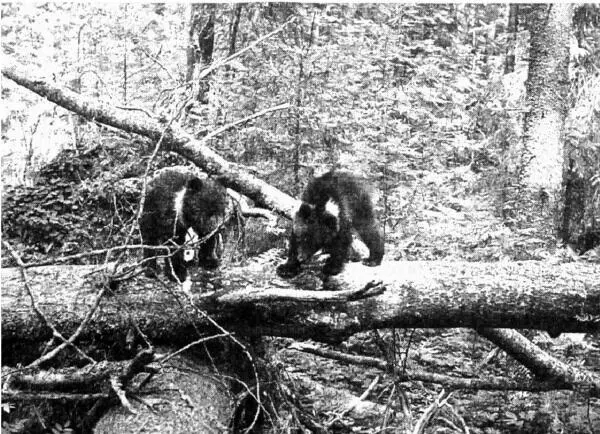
{"x":252,"y":300}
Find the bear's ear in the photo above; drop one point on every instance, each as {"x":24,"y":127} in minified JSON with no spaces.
{"x":305,"y":211}
{"x":195,"y":184}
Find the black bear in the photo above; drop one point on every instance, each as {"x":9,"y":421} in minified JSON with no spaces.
{"x":333,"y":205}
{"x":180,"y":208}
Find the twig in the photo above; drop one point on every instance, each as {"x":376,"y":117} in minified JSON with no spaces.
{"x":90,"y":253}
{"x":431,"y":411}
{"x":354,"y":403}
{"x":188,"y":346}
{"x":246,"y":119}
{"x":453,"y":382}
{"x":220,"y":63}
{"x":139,"y":109}
{"x":118,"y":389}
{"x":155,"y":60}
{"x":463,"y":424}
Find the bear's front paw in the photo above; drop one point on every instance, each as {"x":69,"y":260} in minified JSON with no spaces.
{"x":371,"y":262}
{"x":330,"y":269}
{"x":289,"y":269}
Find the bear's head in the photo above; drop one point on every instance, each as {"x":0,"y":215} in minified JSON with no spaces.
{"x":204,"y":209}
{"x":315,"y":228}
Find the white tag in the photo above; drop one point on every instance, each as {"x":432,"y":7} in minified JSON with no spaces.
{"x":191,"y":238}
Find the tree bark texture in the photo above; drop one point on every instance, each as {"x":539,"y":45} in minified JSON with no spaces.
{"x":547,"y":87}
{"x":187,"y":397}
{"x":540,"y":363}
{"x":252,"y":301}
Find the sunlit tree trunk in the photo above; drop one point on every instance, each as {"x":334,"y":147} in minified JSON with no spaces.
{"x":511,"y":38}
{"x":547,"y":88}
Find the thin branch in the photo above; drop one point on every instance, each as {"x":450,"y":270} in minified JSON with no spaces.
{"x":91,"y":253}
{"x":220,"y":63}
{"x":452,"y":382}
{"x":188,"y":346}
{"x":118,"y":389}
{"x":246,"y":119}
{"x":431,"y":411}
{"x":155,"y":60}
{"x":139,"y":109}
{"x":18,"y":396}
{"x":354,"y":403}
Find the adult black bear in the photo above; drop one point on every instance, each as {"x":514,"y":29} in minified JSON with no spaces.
{"x":332,"y":206}
{"x":180,"y":207}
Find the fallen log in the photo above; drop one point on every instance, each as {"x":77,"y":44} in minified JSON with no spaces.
{"x":254,"y":301}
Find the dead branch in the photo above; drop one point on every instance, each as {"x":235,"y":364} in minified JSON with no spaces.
{"x":431,"y":411}
{"x":353,"y":403}
{"x":540,"y":363}
{"x":406,"y":375}
{"x":336,"y":401}
{"x":233,"y":124}
{"x":94,"y":380}
{"x":248,"y":211}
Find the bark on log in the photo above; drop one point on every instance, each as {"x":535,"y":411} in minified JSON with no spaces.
{"x":252,"y":300}
{"x":187,"y":397}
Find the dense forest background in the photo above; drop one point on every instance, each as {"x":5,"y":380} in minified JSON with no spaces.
{"x":429,"y":101}
{"x":417,"y":97}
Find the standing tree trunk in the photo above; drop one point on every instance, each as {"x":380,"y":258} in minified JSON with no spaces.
{"x":547,"y":87}
{"x":511,"y":39}
{"x":200,"y":47}
{"x":299,"y":98}
{"x":574,"y":206}
{"x":233,"y":29}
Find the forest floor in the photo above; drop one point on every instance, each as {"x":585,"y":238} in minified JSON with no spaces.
{"x":453,"y":352}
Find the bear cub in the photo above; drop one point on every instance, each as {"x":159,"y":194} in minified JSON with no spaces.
{"x":180,"y":208}
{"x":333,"y":205}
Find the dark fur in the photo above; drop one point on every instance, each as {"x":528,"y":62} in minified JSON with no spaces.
{"x":205,"y":205}
{"x":314,"y":228}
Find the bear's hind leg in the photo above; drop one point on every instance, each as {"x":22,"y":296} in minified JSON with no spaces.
{"x":372,"y":236}
{"x":338,"y":253}
{"x":292,"y":266}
